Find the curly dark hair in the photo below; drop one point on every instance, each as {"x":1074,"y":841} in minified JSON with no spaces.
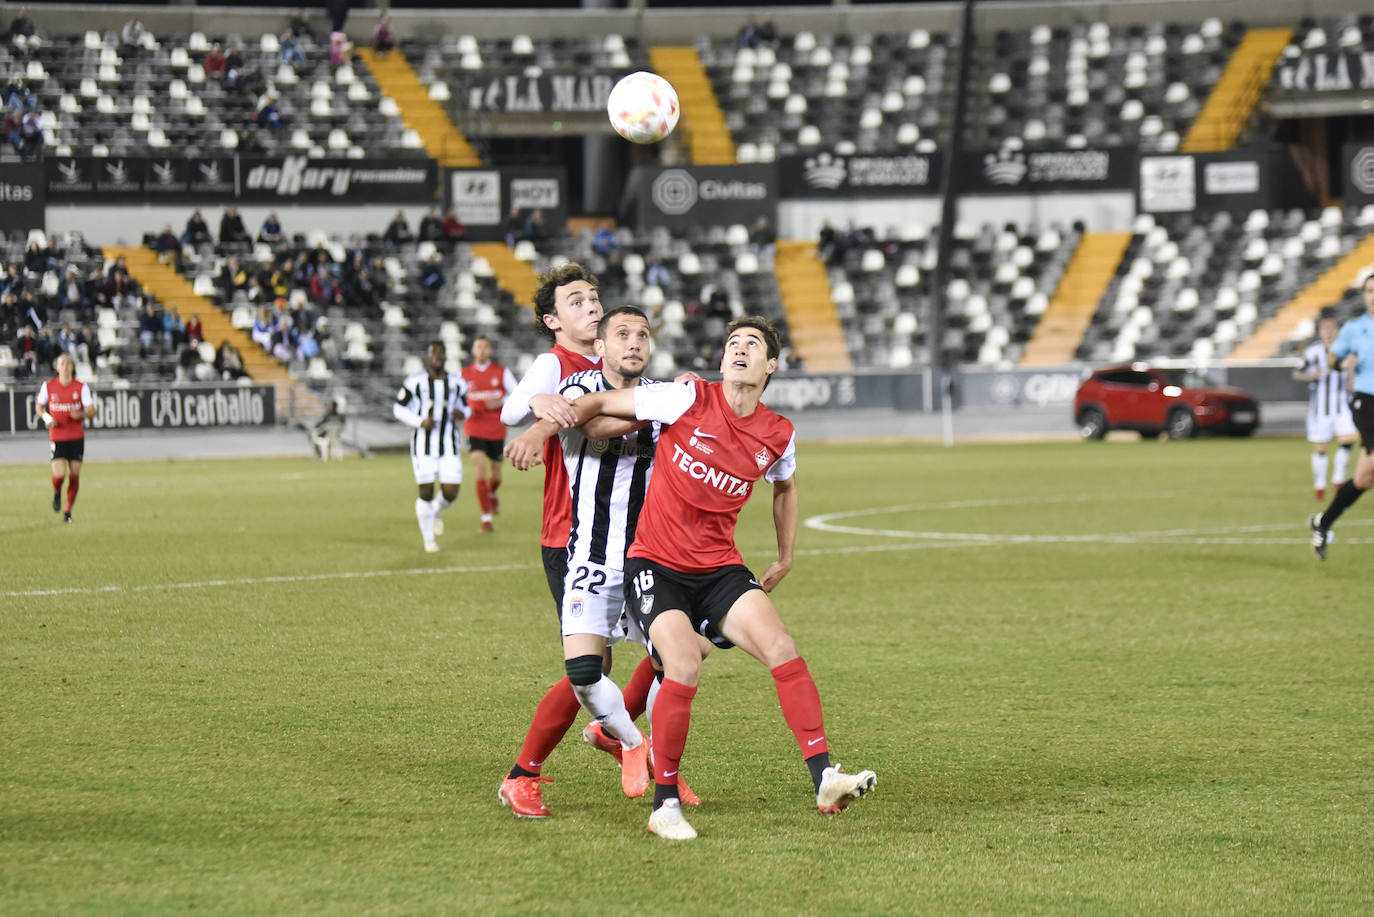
{"x":549,"y":282}
{"x":763,"y":326}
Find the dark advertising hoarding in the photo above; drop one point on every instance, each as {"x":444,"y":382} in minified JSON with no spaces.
{"x":483,"y":198}
{"x":155,"y":408}
{"x":251,"y":179}
{"x":703,"y":195}
{"x":1238,"y":181}
{"x":21,"y":195}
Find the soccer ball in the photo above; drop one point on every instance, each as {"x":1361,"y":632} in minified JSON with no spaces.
{"x":643,"y":107}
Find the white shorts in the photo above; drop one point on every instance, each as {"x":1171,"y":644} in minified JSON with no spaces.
{"x":594,"y":602}
{"x":448,"y":470}
{"x":1325,"y":429}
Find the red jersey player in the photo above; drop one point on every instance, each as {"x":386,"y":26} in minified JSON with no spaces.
{"x":488,"y":385}
{"x":684,"y":574}
{"x":63,"y":404}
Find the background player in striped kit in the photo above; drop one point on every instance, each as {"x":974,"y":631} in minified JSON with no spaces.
{"x":63,"y":404}
{"x":607,"y":478}
{"x":433,"y":403}
{"x":488,"y":385}
{"x":1328,"y":406}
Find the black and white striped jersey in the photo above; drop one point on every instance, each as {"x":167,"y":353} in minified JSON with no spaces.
{"x":607,"y":479}
{"x":1327,"y":397}
{"x":421,"y":396}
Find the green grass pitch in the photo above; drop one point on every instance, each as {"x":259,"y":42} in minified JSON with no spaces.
{"x":1092,"y":678}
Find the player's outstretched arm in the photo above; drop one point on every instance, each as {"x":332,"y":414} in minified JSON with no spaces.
{"x":618,"y":402}
{"x":527,"y":450}
{"x":786,"y":512}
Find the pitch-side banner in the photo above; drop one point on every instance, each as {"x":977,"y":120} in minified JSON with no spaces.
{"x":1040,"y":171}
{"x":155,"y":408}
{"x":704,"y":195}
{"x":260,"y":179}
{"x":827,"y":174}
{"x":1237,"y":180}
{"x":21,"y":195}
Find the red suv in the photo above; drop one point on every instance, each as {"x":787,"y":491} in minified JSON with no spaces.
{"x":1180,"y":402}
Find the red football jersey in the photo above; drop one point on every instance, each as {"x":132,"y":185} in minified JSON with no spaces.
{"x":707,"y":461}
{"x":485,"y":420}
{"x":557,"y":500}
{"x":60,"y":400}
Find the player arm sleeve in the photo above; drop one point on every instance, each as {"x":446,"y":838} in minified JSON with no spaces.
{"x":541,"y":379}
{"x":402,"y":411}
{"x":89,"y":405}
{"x":508,"y":382}
{"x":1342,"y":348}
{"x":460,"y":399}
{"x":664,"y":402}
{"x":786,"y":465}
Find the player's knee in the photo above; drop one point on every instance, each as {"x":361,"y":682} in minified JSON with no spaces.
{"x":583,"y":670}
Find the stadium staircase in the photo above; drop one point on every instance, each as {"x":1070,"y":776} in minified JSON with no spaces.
{"x":812,"y":320}
{"x":514,"y":276}
{"x":702,"y":124}
{"x":441,"y":137}
{"x":1329,"y":288}
{"x":1235,"y":95}
{"x":1071,"y":309}
{"x":173,"y":290}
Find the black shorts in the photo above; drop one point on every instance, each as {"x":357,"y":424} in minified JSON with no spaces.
{"x":1362,"y":412}
{"x":491,"y":447}
{"x":651,"y":588}
{"x":73,"y":450}
{"x":555,"y":571}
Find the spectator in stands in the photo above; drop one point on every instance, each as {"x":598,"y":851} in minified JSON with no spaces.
{"x":452,"y":230}
{"x":231,"y":229}
{"x":31,"y":135}
{"x":324,"y":286}
{"x":338,"y":14}
{"x":66,"y":339}
{"x":432,"y":275}
{"x":197,"y":232}
{"x":761,"y":234}
{"x":613,"y":275}
{"x":383,"y":37}
{"x":149,"y":328}
{"x":215,"y":63}
{"x":26,"y":352}
{"x":14,"y":122}
{"x":514,"y":227}
{"x":825,"y":243}
{"x":37,"y":258}
{"x":22,"y":27}
{"x":340,"y":49}
{"x":271,"y":232}
{"x":228,"y":363}
{"x":291,"y":51}
{"x":16,"y":96}
{"x":237,"y":74}
{"x":74,"y":293}
{"x":13,"y":281}
{"x":264,"y":324}
{"x":173,"y":328}
{"x":231,"y":278}
{"x":9,"y":316}
{"x":655,"y":273}
{"x":329,"y":348}
{"x":755,"y":34}
{"x":88,"y":345}
{"x":431,"y":227}
{"x":188,"y":358}
{"x":249,"y":142}
{"x":283,"y":345}
{"x":267,"y":115}
{"x":605,"y":242}
{"x":398,"y":230}
{"x":119,"y":286}
{"x":32,"y":310}
{"x":718,"y":306}
{"x":299,"y":26}
{"x":168,"y":248}
{"x":535,"y":230}
{"x":195,"y":331}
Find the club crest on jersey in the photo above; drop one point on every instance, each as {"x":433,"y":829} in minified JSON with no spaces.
{"x":698,"y":442}
{"x":762,"y":458}
{"x":575,"y":608}
{"x":646,"y":604}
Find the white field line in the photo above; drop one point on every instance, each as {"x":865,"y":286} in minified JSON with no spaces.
{"x":928,"y":541}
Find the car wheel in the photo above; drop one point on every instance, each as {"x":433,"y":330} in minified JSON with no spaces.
{"x":1092,"y":423}
{"x":1182,"y":424}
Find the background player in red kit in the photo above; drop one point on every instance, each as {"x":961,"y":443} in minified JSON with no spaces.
{"x":63,"y":405}
{"x":488,"y":385}
{"x":684,"y":574}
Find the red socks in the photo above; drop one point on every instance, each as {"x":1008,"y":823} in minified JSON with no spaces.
{"x":484,"y":497}
{"x":672,"y":717}
{"x":73,"y":485}
{"x":637,"y":689}
{"x":801,"y":706}
{"x":555,"y":713}
{"x":57,"y":484}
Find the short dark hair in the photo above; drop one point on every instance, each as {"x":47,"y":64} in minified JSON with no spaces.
{"x":618,"y":310}
{"x":549,"y":282}
{"x":761,"y":325}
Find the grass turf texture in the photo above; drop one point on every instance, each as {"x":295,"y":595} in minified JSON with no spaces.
{"x":1102,"y":678}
